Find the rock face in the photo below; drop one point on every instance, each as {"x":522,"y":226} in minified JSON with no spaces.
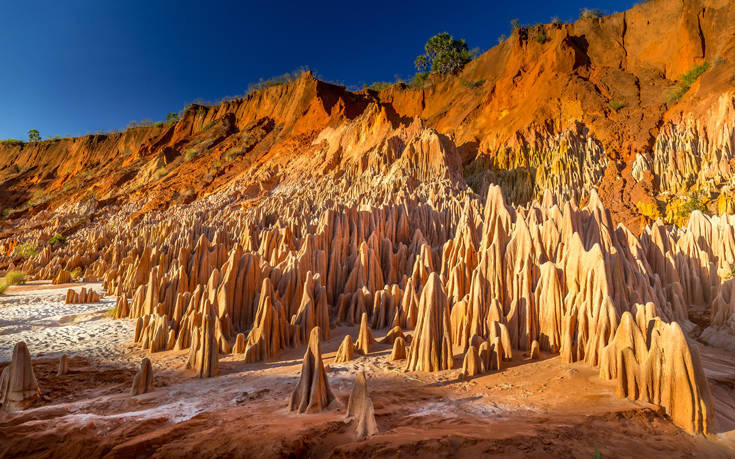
{"x":312,"y":394}
{"x":431,"y":349}
{"x":18,"y":385}
{"x":143,"y":380}
{"x":360,"y":408}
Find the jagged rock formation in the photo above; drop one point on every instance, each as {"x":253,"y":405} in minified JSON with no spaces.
{"x":63,"y":277}
{"x":431,"y":349}
{"x":265,"y":340}
{"x":204,"y":349}
{"x":360,"y":408}
{"x":143,"y":380}
{"x":18,"y":385}
{"x":661,"y":368}
{"x":365,"y":337}
{"x":471,"y":366}
{"x":83,"y":296}
{"x":312,"y":394}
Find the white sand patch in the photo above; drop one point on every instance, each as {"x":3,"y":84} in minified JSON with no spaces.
{"x":51,"y":328}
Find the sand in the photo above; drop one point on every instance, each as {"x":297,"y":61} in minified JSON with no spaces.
{"x":36,"y":314}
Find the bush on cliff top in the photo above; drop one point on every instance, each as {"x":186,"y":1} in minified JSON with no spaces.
{"x":444,"y":54}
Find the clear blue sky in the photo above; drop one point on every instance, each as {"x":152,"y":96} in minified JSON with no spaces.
{"x":73,"y":67}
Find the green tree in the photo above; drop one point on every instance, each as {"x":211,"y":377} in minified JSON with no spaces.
{"x":34,"y":136}
{"x":444,"y":54}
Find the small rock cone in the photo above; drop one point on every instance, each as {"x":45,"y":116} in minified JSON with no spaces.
{"x":360,"y":408}
{"x":18,"y":385}
{"x":399,"y":349}
{"x":143,"y":380}
{"x":365,"y":337}
{"x":394,"y":333}
{"x":471,"y":365}
{"x":346,"y":351}
{"x":239,"y":347}
{"x":534,"y":354}
{"x":63,"y":365}
{"x":312,"y":394}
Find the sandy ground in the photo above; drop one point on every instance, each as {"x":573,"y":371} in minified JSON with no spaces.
{"x":529,"y":409}
{"x":36,"y":314}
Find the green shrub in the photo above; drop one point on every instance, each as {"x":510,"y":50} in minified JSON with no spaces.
{"x":590,"y":13}
{"x":3,"y":287}
{"x":158,"y":124}
{"x":9,"y":212}
{"x":161,"y":172}
{"x":233,"y":153}
{"x":674,"y":93}
{"x":419,"y":80}
{"x":57,"y":239}
{"x":34,"y":136}
{"x":556,"y":21}
{"x":38,"y":197}
{"x":14,"y":278}
{"x":616,"y":105}
{"x":540,"y":36}
{"x":191,"y":154}
{"x":378,"y":85}
{"x":502,"y":38}
{"x":276,"y":80}
{"x":76,"y":273}
{"x":678,"y":211}
{"x":471,"y":84}
{"x":25,"y":250}
{"x":444,"y":54}
{"x":11,"y":142}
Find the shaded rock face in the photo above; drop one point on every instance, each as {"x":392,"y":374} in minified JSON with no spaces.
{"x":312,"y":394}
{"x":18,"y":385}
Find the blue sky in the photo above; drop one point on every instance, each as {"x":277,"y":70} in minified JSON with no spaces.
{"x":77,"y":67}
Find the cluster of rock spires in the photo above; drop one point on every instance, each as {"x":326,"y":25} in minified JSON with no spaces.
{"x":451,"y":272}
{"x":82,"y":296}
